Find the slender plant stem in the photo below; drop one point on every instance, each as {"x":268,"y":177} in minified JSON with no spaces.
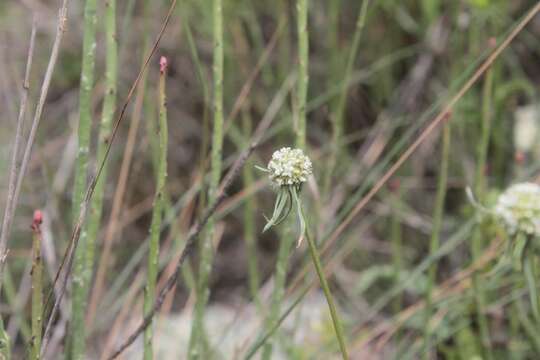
{"x":37,"y":288}
{"x":530,"y":279}
{"x":197,"y":342}
{"x":284,"y":250}
{"x":109,"y":104}
{"x":436,"y":234}
{"x":303,"y":76}
{"x":249,"y":221}
{"x":480,"y":185}
{"x":338,"y":121}
{"x":80,"y":278}
{"x":10,"y":206}
{"x":338,"y":328}
{"x":157,"y":214}
{"x":117,"y":202}
{"x":121,"y":184}
{"x":528,"y":326}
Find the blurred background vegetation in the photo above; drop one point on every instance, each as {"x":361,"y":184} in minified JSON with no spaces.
{"x":379,"y":72}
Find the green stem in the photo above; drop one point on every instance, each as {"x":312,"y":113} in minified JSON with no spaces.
{"x":157,"y":213}
{"x":109,"y":104}
{"x":282,"y":261}
{"x":338,"y":120}
{"x":37,"y":294}
{"x":435,"y":235}
{"x":338,"y":328}
{"x":197,"y":341}
{"x":249,"y":221}
{"x":529,"y":272}
{"x":303,"y":77}
{"x":480,"y":184}
{"x":530,"y":329}
{"x":79,"y":280}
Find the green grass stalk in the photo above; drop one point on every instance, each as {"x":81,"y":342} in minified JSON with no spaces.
{"x":157,"y":213}
{"x":479,"y":188}
{"x":79,"y":283}
{"x":338,"y":328}
{"x":338,"y":121}
{"x":109,"y":105}
{"x":197,"y":342}
{"x":284,"y":250}
{"x":436,"y":233}
{"x":530,"y":279}
{"x":303,"y":76}
{"x":37,"y":288}
{"x":249,"y":220}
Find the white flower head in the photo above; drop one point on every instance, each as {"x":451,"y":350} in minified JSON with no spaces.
{"x":519,"y":208}
{"x":289,"y":167}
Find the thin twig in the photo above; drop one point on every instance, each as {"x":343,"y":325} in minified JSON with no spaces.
{"x":11,"y":200}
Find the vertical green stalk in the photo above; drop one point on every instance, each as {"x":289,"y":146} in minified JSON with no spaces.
{"x":338,"y":328}
{"x":249,"y":220}
{"x":37,"y":289}
{"x":303,"y":77}
{"x":435,"y":234}
{"x":430,"y":11}
{"x":205,"y":93}
{"x":79,"y":282}
{"x":197,"y":340}
{"x":338,"y":120}
{"x":280,"y":276}
{"x":530,"y":279}
{"x":480,"y":184}
{"x":109,"y":104}
{"x":157,"y":212}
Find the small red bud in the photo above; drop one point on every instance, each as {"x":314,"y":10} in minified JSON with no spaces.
{"x":163,"y":64}
{"x":37,"y":220}
{"x":492,"y":42}
{"x":38,"y":217}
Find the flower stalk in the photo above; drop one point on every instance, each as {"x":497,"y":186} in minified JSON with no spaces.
{"x":288,"y":170}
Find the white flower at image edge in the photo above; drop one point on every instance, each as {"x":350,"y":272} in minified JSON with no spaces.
{"x":289,"y":167}
{"x":519,"y":208}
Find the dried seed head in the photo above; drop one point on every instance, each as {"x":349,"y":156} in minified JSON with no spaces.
{"x":519,"y":209}
{"x":289,"y":167}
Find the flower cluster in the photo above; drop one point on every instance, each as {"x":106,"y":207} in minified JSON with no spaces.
{"x":289,"y":167}
{"x":519,"y":208}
